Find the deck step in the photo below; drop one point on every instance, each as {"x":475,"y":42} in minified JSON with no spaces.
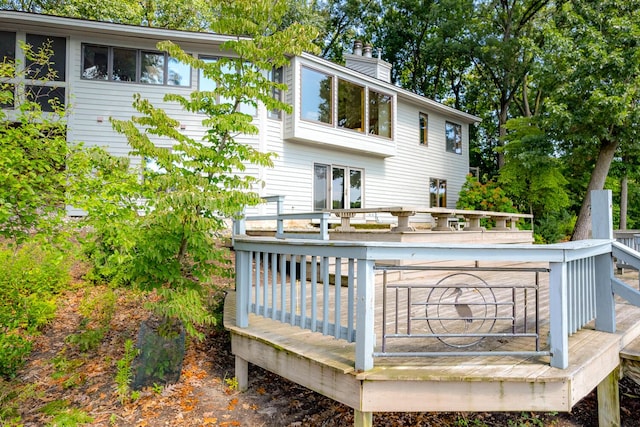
{"x":630,"y":356}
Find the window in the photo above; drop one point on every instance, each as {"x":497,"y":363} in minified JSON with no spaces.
{"x":343,"y":191}
{"x":45,"y":96}
{"x":453,"y":135}
{"x":7,"y":55}
{"x":276,"y":75}
{"x":209,"y":85}
{"x":7,"y":46}
{"x":380,"y":114}
{"x":438,"y":193}
{"x":350,"y":106}
{"x":316,"y":96}
{"x":56,"y":68}
{"x":424,"y":129}
{"x":131,"y":65}
{"x":125,"y":65}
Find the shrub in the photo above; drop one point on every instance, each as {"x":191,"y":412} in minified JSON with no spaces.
{"x":32,"y":276}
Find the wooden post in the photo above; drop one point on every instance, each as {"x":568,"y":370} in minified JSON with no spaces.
{"x":609,"y":400}
{"x":242,"y":373}
{"x":558,"y":315}
{"x":365,"y":335}
{"x":362,"y":419}
{"x":602,"y":228}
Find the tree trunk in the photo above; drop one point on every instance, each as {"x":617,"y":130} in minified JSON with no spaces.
{"x":598,"y":176}
{"x":624,"y":194}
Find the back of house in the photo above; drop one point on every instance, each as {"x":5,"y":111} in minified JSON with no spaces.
{"x":353,"y":139}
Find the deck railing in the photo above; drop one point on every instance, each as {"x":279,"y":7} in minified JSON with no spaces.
{"x":330,"y":286}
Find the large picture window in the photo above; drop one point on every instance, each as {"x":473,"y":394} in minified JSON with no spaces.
{"x":316,"y":96}
{"x":120,"y":64}
{"x":350,"y":106}
{"x":438,"y":193}
{"x":337,"y":187}
{"x":380,"y":110}
{"x":453,"y":135}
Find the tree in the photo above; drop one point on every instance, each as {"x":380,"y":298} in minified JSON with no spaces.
{"x":33,"y":151}
{"x":196,"y":186}
{"x":592,"y":72}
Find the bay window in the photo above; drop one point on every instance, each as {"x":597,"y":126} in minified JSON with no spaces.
{"x":352,"y":106}
{"x":316,"y":96}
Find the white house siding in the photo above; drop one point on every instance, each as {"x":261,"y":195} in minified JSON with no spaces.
{"x":396,"y":171}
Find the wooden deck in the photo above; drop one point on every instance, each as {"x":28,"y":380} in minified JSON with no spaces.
{"x":450,"y":383}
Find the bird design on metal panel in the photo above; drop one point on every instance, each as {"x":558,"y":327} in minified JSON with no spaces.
{"x":463,"y":310}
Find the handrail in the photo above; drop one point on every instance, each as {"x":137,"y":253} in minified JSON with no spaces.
{"x":239,"y":225}
{"x":573,"y":279}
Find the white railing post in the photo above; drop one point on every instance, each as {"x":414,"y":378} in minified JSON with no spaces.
{"x":558,"y":315}
{"x":243,"y":272}
{"x":602,"y":228}
{"x":365,"y":310}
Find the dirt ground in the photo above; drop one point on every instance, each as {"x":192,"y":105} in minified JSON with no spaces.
{"x":206,"y":395}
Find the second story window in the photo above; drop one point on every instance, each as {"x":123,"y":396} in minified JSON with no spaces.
{"x":276,"y":75}
{"x":121,"y":64}
{"x":380,"y":110}
{"x":56,"y":69}
{"x":347,"y":105}
{"x":350,"y":106}
{"x":453,"y":136}
{"x":424,"y":129}
{"x":316,"y":96}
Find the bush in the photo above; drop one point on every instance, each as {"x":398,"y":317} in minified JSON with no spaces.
{"x":32,"y":276}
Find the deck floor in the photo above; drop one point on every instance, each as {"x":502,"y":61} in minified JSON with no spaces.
{"x":486,"y":383}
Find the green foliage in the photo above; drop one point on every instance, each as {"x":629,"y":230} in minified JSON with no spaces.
{"x":161,"y":232}
{"x":96,"y":309}
{"x":484,"y":197}
{"x":64,"y":416}
{"x":532,"y":174}
{"x":32,"y":276}
{"x":124,"y":373}
{"x":553,"y":227}
{"x":33,"y":150}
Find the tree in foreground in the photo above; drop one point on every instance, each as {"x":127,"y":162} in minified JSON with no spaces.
{"x":162,"y":232}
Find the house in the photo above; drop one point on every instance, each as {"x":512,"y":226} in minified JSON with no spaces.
{"x":354,"y":139}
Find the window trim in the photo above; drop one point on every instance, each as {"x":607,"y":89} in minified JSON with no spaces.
{"x":346,"y":190}
{"x":423,"y":130}
{"x":457,"y":144}
{"x":335,"y":108}
{"x":438,"y":195}
{"x":138,"y":71}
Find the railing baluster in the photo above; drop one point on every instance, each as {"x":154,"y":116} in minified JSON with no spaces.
{"x":265,"y":288}
{"x":324,"y":265}
{"x":293,"y":294}
{"x":338,"y":300}
{"x":303,"y":291}
{"x":351,"y":300}
{"x":256,"y":293}
{"x":314,"y":293}
{"x":283,"y":286}
{"x":274,"y":283}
